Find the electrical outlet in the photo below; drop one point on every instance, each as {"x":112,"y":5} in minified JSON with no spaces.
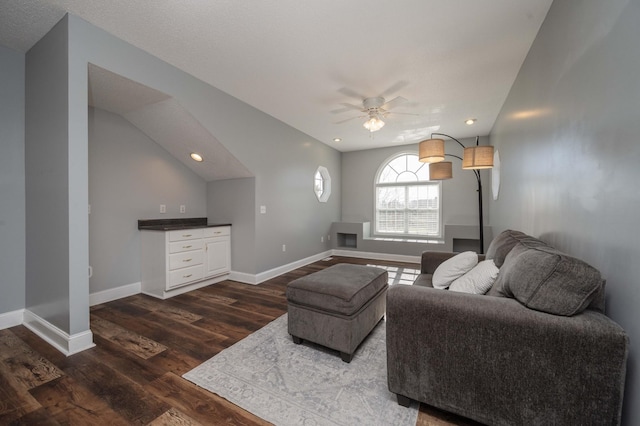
{"x":163,"y":208}
{"x":263,"y":209}
{"x":328,"y":237}
{"x":322,"y":239}
{"x":284,"y":247}
{"x":183,"y":208}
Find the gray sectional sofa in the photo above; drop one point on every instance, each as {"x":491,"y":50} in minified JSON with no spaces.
{"x":537,"y":349}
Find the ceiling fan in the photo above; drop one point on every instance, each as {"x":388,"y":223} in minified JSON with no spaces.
{"x":375,"y":109}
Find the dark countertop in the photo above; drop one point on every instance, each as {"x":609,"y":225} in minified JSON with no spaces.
{"x":176,"y":224}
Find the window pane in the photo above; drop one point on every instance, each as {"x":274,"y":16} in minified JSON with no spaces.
{"x":388,"y":175}
{"x":319,"y":184}
{"x":407,"y":177}
{"x":413,"y":163}
{"x":399,"y":164}
{"x":423,"y":215}
{"x":423,"y":172}
{"x":390,"y":215}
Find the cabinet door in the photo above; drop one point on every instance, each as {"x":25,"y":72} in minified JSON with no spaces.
{"x":217,"y":256}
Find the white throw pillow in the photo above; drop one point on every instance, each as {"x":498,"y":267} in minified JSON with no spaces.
{"x":478,"y":280}
{"x":453,"y":268}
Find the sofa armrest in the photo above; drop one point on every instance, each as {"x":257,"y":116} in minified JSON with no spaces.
{"x":496,"y":361}
{"x":432,"y":259}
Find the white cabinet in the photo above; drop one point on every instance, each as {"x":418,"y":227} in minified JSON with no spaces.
{"x":174,"y":262}
{"x":217,"y":250}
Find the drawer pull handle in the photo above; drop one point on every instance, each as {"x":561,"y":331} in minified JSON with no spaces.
{"x":217,"y":232}
{"x":187,"y":260}
{"x":187,"y":246}
{"x":186,"y":276}
{"x":186,"y":235}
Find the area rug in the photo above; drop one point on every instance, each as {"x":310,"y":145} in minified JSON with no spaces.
{"x":288,"y":384}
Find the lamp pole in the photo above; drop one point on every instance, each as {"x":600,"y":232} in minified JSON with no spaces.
{"x":479,"y":179}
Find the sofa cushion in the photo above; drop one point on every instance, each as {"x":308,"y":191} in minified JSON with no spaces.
{"x":454,"y":268}
{"x":544,"y":279}
{"x":502,"y":244}
{"x":478,"y":280}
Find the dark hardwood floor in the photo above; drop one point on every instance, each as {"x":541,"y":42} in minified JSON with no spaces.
{"x":143,"y":346}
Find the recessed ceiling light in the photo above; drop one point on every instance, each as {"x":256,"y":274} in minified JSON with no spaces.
{"x":337,"y":139}
{"x":197,"y":157}
{"x":470,"y":121}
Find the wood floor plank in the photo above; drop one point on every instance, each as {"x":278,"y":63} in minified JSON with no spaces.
{"x":71,"y":403}
{"x":174,"y":417}
{"x":128,"y":399}
{"x":133,"y":342}
{"x":14,"y":402}
{"x":156,"y":305}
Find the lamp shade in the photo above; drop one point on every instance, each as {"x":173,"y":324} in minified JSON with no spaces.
{"x":440,"y":170}
{"x":478,"y":157}
{"x":431,"y":150}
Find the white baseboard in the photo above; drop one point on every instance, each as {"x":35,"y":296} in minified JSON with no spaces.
{"x":11,"y":319}
{"x":272,"y":273}
{"x":114,"y":293}
{"x":61,"y":340}
{"x":243,"y":277}
{"x":377,"y":256}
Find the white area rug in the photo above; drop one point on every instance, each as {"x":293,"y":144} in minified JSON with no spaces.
{"x":288,"y":384}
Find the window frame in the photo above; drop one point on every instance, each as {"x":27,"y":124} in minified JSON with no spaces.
{"x":325,"y":179}
{"x":424,"y":183}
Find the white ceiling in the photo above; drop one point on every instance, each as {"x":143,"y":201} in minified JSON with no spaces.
{"x":299,"y":60}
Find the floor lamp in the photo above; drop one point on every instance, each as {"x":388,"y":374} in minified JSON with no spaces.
{"x":474,"y":158}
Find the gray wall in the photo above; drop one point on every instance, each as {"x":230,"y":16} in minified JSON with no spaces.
{"x":129,"y":177}
{"x":459,"y":195}
{"x":233,"y":201}
{"x":47,"y":180}
{"x":12,"y":192}
{"x":568,"y":139}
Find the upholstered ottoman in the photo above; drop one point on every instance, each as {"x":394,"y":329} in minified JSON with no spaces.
{"x":337,"y":307}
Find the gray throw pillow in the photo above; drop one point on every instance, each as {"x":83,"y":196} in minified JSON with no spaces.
{"x":502,"y":244}
{"x":547,"y":280}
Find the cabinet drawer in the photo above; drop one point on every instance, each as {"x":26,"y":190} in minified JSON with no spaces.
{"x":185,"y":234}
{"x":187,"y":245}
{"x":217,"y":231}
{"x":185,"y":259}
{"x":184,"y":275}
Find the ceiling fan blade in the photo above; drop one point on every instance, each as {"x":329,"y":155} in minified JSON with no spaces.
{"x":400,"y":113}
{"x":393,"y":89}
{"x":351,"y":93}
{"x":349,"y":119}
{"x":397,"y":101}
{"x":352,"y":106}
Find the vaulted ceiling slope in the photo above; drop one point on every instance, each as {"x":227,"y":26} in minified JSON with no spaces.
{"x":299,"y":61}
{"x":166,"y":122}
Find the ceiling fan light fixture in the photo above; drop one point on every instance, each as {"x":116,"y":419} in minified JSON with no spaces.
{"x":373,"y":124}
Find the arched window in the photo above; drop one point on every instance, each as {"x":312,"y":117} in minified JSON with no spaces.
{"x":407,"y":202}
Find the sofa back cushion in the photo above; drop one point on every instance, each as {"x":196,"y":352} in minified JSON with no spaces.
{"x":502,"y":244}
{"x":544,"y":279}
